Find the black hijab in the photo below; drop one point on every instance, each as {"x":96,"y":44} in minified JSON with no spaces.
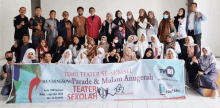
{"x":176,"y":22}
{"x":117,"y":19}
{"x":152,"y":55}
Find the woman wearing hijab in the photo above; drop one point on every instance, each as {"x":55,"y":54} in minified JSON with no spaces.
{"x":128,"y":55}
{"x":149,"y":54}
{"x":166,"y":26}
{"x":130,"y":42}
{"x":41,"y":50}
{"x":180,"y":26}
{"x":157,"y":47}
{"x":131,"y":28}
{"x":208,"y":74}
{"x":29,"y":57}
{"x":171,"y":54}
{"x":107,"y":27}
{"x":82,"y":57}
{"x":76,"y":47}
{"x":141,"y":23}
{"x":191,"y":50}
{"x":115,"y":44}
{"x":66,"y":57}
{"x":100,"y":56}
{"x":104,"y":44}
{"x":92,"y":48}
{"x":118,"y":27}
{"x":152,"y":26}
{"x":171,"y":43}
{"x":142,"y":45}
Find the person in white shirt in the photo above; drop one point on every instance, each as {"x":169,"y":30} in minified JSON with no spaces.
{"x":171,"y":43}
{"x":100,"y":56}
{"x":66,"y":57}
{"x":180,"y":25}
{"x":130,"y":42}
{"x":142,"y":45}
{"x":141,"y":23}
{"x":76,"y":47}
{"x":157,"y":47}
{"x":82,"y":57}
{"x":29,"y":57}
{"x":170,"y":54}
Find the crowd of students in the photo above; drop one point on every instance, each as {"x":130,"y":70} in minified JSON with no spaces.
{"x":112,"y":41}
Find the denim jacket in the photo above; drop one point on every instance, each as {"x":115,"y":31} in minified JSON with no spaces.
{"x":197,"y":23}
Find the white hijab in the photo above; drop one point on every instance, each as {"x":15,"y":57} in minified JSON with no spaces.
{"x":209,"y":52}
{"x":63,"y":60}
{"x":79,"y":60}
{"x":99,"y":60}
{"x":174,"y":53}
{"x":142,"y":46}
{"x":157,"y":43}
{"x":191,"y":41}
{"x":131,"y":44}
{"x":25,"y":58}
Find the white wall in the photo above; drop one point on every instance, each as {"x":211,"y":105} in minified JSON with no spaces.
{"x":104,"y":6}
{"x":8,"y":10}
{"x":210,"y":27}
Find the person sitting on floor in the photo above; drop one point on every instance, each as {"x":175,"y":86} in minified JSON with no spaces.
{"x":208,"y":74}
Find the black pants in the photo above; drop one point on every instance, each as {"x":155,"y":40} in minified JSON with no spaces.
{"x":181,"y":43}
{"x":192,"y":69}
{"x":82,"y":40}
{"x":197,"y":39}
{"x":96,"y":40}
{"x":6,"y":90}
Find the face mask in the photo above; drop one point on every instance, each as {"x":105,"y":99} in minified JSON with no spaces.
{"x":103,"y":42}
{"x":84,"y":56}
{"x":129,"y":17}
{"x":115,"y":41}
{"x":165,"y":16}
{"x":99,"y":56}
{"x":9,"y":59}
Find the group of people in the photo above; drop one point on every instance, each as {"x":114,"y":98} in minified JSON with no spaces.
{"x":112,"y":41}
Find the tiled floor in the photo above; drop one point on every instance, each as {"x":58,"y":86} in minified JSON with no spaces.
{"x":194,"y":100}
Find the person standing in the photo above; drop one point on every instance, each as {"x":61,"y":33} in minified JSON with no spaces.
{"x":36,"y":24}
{"x":142,"y":23}
{"x":180,"y":25}
{"x":65,"y":29}
{"x":152,"y":26}
{"x":193,"y":24}
{"x":107,"y":27}
{"x":21,"y":25}
{"x":50,"y":26}
{"x":131,"y":25}
{"x":79,"y":25}
{"x":166,"y":26}
{"x":93,"y":25}
{"x":118,"y":27}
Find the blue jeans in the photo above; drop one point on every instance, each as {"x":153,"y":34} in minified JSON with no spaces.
{"x":6,"y":90}
{"x":36,"y":40}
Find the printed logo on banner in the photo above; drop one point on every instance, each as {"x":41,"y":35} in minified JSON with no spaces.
{"x":169,"y":71}
{"x":165,"y":89}
{"x":103,"y":93}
